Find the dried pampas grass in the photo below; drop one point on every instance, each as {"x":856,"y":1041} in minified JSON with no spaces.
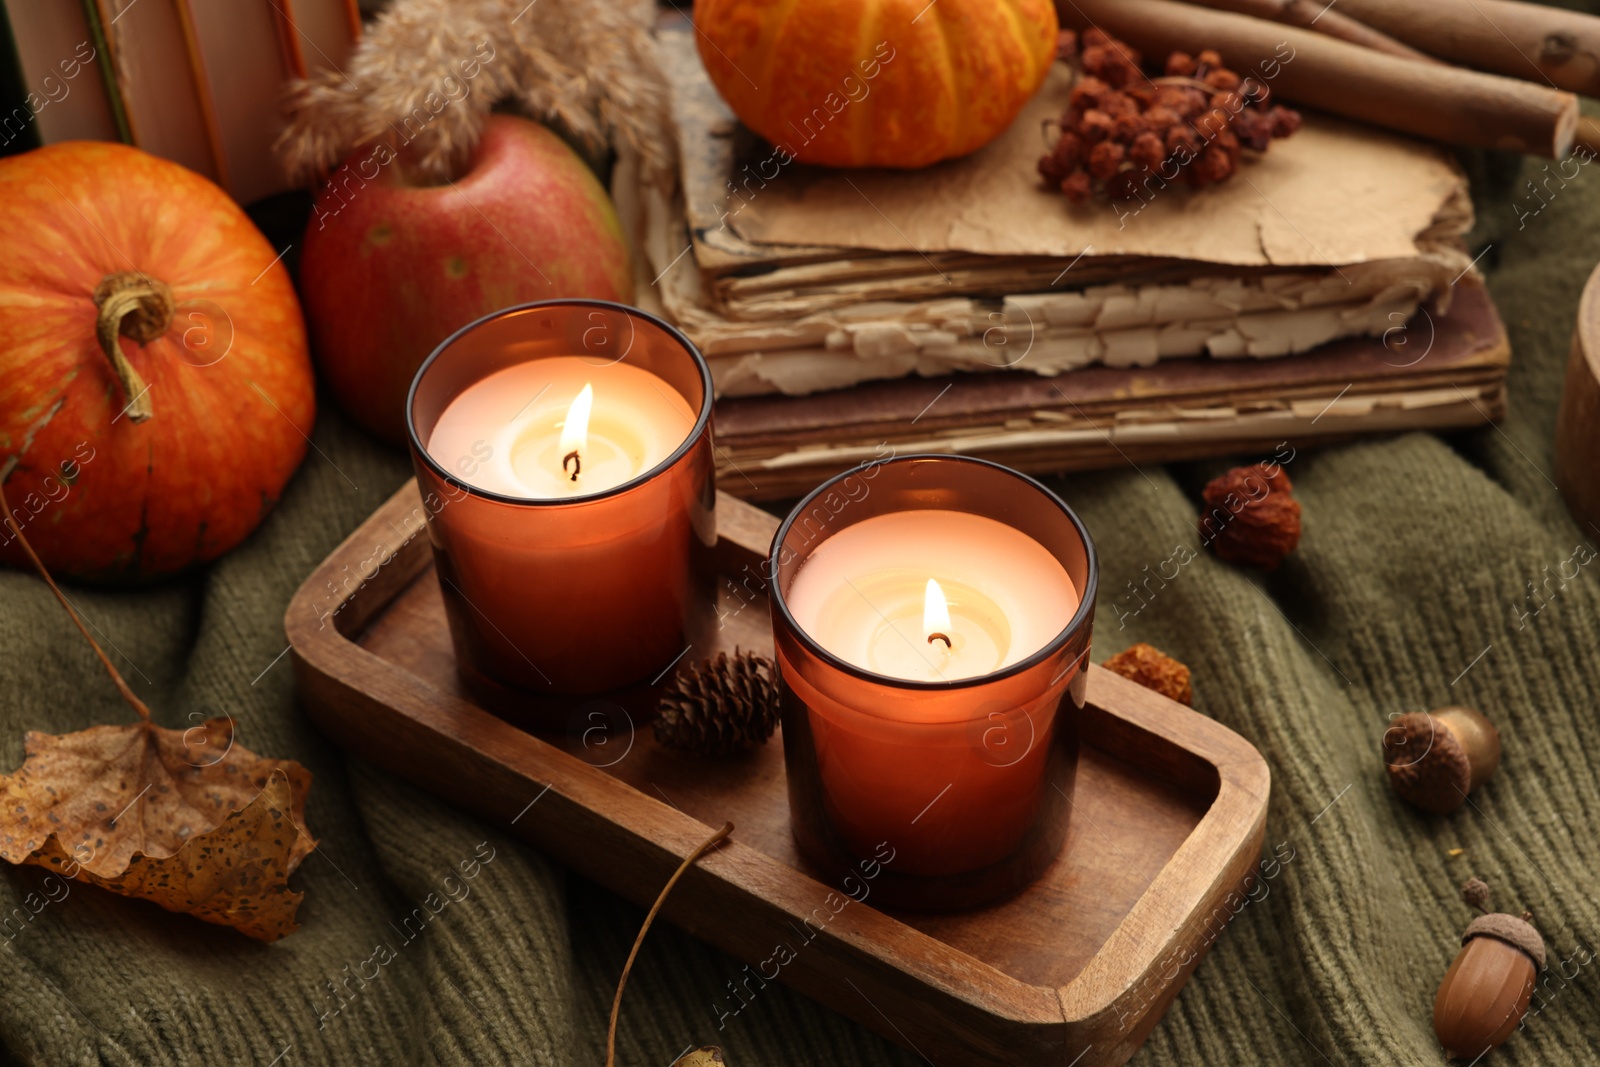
{"x":427,"y":72}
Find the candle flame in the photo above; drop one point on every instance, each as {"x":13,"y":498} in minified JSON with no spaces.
{"x":935,"y":614}
{"x":575,"y":431}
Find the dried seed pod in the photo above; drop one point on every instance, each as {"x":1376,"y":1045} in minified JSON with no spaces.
{"x":1119,"y":105}
{"x":1183,"y":143}
{"x":1436,"y":758}
{"x":1147,"y":152}
{"x":1485,"y":992}
{"x":1253,"y":128}
{"x":1222,"y":79}
{"x":1105,"y":159}
{"x":1212,"y":123}
{"x":1153,"y":669}
{"x":1124,"y":185}
{"x":1066,"y":45}
{"x":1095,"y":126}
{"x":1252,"y":518}
{"x":1126,"y":127}
{"x":1159,"y":119}
{"x":1095,"y":58}
{"x":1087,"y":91}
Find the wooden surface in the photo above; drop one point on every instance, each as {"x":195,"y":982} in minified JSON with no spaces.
{"x":1578,"y":422}
{"x":1442,"y":369}
{"x":1169,"y":814}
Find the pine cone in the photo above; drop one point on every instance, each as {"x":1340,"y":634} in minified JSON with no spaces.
{"x":717,"y":707}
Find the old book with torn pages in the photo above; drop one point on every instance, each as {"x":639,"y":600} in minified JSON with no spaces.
{"x":796,"y":279}
{"x":1320,"y":294}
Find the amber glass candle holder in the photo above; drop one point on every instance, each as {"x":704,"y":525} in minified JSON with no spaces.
{"x":947,"y":794}
{"x":551,"y":599}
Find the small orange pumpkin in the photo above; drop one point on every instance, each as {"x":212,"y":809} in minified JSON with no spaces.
{"x":877,"y":83}
{"x":155,"y":388}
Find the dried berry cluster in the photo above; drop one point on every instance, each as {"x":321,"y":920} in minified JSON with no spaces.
{"x":1132,"y":134}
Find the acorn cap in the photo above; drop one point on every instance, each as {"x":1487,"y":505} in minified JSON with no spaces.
{"x":1427,"y":765}
{"x":1518,"y":933}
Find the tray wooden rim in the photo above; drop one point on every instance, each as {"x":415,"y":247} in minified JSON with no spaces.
{"x":332,"y":669}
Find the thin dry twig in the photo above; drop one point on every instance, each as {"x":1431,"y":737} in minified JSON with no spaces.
{"x":688,"y":861}
{"x":116,"y":675}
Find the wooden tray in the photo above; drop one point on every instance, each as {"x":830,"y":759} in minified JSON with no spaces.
{"x":1169,"y":814}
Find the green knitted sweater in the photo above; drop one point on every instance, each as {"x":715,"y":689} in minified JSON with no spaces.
{"x":1411,"y":589}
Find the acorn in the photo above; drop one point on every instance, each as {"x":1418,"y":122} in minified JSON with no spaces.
{"x":1436,"y":758}
{"x":1486,"y":991}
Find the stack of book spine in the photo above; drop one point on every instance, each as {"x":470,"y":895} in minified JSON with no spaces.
{"x":198,"y":82}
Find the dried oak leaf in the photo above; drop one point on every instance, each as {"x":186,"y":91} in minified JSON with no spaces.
{"x":154,"y":813}
{"x":710,"y":1056}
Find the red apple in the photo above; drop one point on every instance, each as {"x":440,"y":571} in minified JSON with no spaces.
{"x":391,"y":268}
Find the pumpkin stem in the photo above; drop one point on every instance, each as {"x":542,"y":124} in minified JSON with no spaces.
{"x":138,"y":306}
{"x":116,"y":675}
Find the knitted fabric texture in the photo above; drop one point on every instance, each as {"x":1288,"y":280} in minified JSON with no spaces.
{"x":1410,"y":589}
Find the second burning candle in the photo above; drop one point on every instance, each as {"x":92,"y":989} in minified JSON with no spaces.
{"x":932,"y":618}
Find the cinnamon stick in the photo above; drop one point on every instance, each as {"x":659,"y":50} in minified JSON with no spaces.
{"x":1588,"y":136}
{"x":1530,"y":41}
{"x":1323,"y":18}
{"x":1446,"y":103}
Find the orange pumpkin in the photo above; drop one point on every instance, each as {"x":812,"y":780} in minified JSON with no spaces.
{"x":155,"y":389}
{"x":876,"y":83}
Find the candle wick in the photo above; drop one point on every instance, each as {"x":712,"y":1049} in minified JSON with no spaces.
{"x":577,"y":464}
{"x":940,"y":637}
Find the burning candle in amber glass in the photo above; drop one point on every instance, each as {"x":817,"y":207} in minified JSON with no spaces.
{"x":563,"y":452}
{"x":932,"y":618}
